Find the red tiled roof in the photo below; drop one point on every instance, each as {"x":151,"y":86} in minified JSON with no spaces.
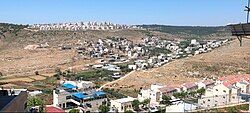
{"x":208,"y":82}
{"x":229,"y":80}
{"x":232,"y":79}
{"x":189,"y":85}
{"x":51,"y":109}
{"x":167,"y":89}
{"x":228,"y":85}
{"x":236,"y":77}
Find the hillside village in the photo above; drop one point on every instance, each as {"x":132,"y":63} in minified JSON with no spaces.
{"x":151,"y":52}
{"x":115,"y":58}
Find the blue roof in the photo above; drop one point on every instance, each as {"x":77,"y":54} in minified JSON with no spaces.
{"x":69,"y":86}
{"x":100,"y":93}
{"x":80,"y":95}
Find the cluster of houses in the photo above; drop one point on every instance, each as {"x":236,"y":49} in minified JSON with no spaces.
{"x":151,"y":52}
{"x":228,"y":90}
{"x":83,"y":95}
{"x":81,"y":26}
{"x":173,"y":50}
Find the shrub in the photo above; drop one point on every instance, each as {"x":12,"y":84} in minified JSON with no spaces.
{"x":136,"y":104}
{"x":104,"y":109}
{"x":74,"y":111}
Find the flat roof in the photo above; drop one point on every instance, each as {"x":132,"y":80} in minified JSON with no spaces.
{"x":100,"y":93}
{"x":69,"y":86}
{"x":123,"y":100}
{"x":80,"y":95}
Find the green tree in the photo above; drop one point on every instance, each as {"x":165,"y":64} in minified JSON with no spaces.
{"x":180,"y":95}
{"x":58,"y":73}
{"x":128,"y":111}
{"x":74,"y":111}
{"x":104,"y":109}
{"x":136,"y":104}
{"x":201,"y":91}
{"x":36,"y":101}
{"x":145,"y":102}
{"x":166,"y":100}
{"x":42,"y":108}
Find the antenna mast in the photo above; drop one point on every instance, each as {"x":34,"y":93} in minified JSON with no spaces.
{"x":248,"y":10}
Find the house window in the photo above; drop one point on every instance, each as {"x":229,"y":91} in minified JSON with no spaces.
{"x":122,"y":107}
{"x":25,"y":105}
{"x":215,"y":104}
{"x":204,"y":102}
{"x":233,"y":97}
{"x":224,"y":97}
{"x":208,"y":100}
{"x":68,"y":97}
{"x":216,"y":95}
{"x":216,"y":89}
{"x":216,"y":101}
{"x":224,"y":91}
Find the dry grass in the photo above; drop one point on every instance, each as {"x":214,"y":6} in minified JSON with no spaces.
{"x":37,"y":77}
{"x":21,"y":62}
{"x":23,"y":79}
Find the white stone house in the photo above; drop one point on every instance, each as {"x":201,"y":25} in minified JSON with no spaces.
{"x":244,"y":85}
{"x":220,"y":94}
{"x":121,"y":105}
{"x":154,"y":94}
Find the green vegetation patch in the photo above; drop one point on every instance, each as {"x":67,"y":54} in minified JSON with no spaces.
{"x":156,"y":51}
{"x":95,"y":75}
{"x":191,"y":30}
{"x":114,"y":94}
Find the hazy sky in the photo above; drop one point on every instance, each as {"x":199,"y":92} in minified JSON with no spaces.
{"x":168,"y":12}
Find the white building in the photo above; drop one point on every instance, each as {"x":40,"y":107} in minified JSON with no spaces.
{"x":227,"y":90}
{"x":121,"y":105}
{"x":78,"y":94}
{"x":181,"y":107}
{"x":154,"y":94}
{"x":244,"y":85}
{"x":205,"y":84}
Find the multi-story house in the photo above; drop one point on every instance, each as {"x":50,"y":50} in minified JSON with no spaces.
{"x":122,"y":105}
{"x":73,"y":94}
{"x":227,"y":90}
{"x":154,"y":94}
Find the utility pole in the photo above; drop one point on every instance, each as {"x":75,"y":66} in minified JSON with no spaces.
{"x":248,"y":10}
